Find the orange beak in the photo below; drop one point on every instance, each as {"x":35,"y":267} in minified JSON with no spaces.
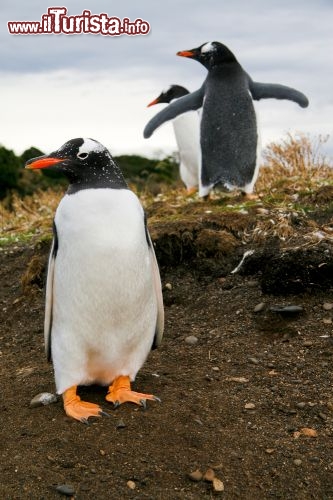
{"x":44,"y":163}
{"x":185,"y":53}
{"x":155,"y":101}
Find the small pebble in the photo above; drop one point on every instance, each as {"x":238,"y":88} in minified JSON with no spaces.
{"x":329,"y":405}
{"x":270,"y":451}
{"x":43,"y":399}
{"x":262,"y":211}
{"x":131,"y":485}
{"x":301,"y":405}
{"x":297,"y":461}
{"x":240,"y":380}
{"x":209,"y":475}
{"x":218,"y":485}
{"x":249,"y":406}
{"x":328,"y":306}
{"x":66,"y":490}
{"x":215,"y":369}
{"x":196,"y":476}
{"x":168,"y":286}
{"x":191,"y":340}
{"x":121,"y":424}
{"x":254,"y":361}
{"x":252,"y":283}
{"x":307,"y":431}
{"x":322,"y":416}
{"x":287,"y":310}
{"x":327,"y":321}
{"x":259,"y":307}
{"x":307,"y":343}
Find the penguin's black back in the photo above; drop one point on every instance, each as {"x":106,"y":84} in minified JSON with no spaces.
{"x":228,"y":128}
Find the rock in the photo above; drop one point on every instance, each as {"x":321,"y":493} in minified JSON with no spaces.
{"x":301,"y":405}
{"x":215,"y":369}
{"x":259,"y":307}
{"x":218,"y":485}
{"x":131,"y":485}
{"x":287,"y":310}
{"x":249,"y":406}
{"x":328,"y":306}
{"x":297,"y":461}
{"x":254,"y":361}
{"x":43,"y":399}
{"x":252,"y":283}
{"x":269,"y":451}
{"x":329,"y":405}
{"x":240,"y":380}
{"x":327,"y":321}
{"x":209,"y":475}
{"x":66,"y":490}
{"x":322,"y":416}
{"x":121,"y":424}
{"x":196,"y":475}
{"x":168,"y":286}
{"x":191,"y":340}
{"x":307,"y":431}
{"x":262,"y":211}
{"x":307,"y":343}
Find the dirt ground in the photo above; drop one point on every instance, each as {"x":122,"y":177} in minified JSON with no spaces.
{"x":235,"y":399}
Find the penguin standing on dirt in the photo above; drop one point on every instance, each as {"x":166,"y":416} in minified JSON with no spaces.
{"x":228,"y":130}
{"x":104,"y":306}
{"x":186,"y":128}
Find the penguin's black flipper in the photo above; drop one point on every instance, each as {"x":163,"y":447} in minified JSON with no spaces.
{"x":189,"y":102}
{"x":49,"y":294}
{"x":277,"y":91}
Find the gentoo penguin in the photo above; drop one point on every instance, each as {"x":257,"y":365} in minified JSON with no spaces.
{"x":104,"y":306}
{"x":186,"y":128}
{"x":228,"y":129}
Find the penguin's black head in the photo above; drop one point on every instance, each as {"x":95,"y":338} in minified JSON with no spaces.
{"x":84,"y":162}
{"x":173,"y":92}
{"x":210,"y":54}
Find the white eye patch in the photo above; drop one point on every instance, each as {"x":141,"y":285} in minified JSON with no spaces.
{"x":208,"y":47}
{"x":88,"y":146}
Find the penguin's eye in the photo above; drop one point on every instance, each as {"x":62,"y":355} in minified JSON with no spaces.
{"x":82,"y":156}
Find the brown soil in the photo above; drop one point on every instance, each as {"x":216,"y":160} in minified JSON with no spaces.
{"x":280,"y":364}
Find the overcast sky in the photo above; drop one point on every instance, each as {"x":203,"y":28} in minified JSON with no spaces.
{"x":57,"y":87}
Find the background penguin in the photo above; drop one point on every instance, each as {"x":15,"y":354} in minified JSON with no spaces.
{"x":104,"y":307}
{"x":186,"y":128}
{"x":228,"y":130}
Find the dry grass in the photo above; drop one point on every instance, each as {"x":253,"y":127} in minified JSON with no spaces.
{"x":32,"y":215}
{"x":294,"y":164}
{"x":295,"y":179}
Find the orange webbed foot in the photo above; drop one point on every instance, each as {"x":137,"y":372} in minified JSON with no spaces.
{"x":80,"y":410}
{"x":250,"y":196}
{"x":191,"y":191}
{"x":120,"y":392}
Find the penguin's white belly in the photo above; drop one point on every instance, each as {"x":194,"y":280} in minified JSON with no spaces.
{"x":104,"y":306}
{"x":187,"y":133}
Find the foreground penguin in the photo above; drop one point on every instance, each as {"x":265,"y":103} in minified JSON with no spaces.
{"x":186,"y":128}
{"x":104,"y":307}
{"x":228,"y":130}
